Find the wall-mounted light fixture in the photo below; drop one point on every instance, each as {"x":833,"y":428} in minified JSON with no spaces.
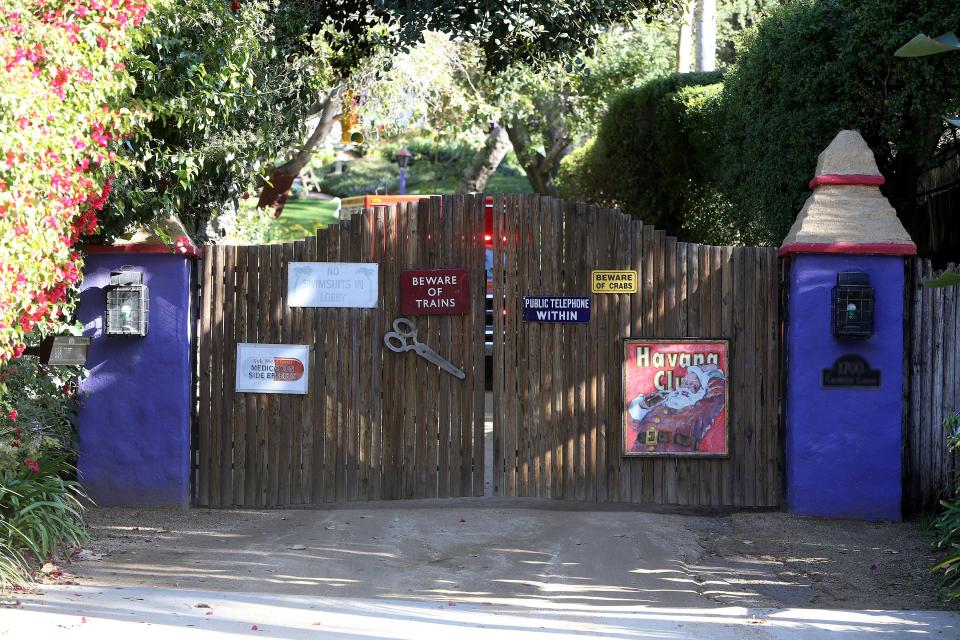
{"x":852,"y":305}
{"x":128,"y":304}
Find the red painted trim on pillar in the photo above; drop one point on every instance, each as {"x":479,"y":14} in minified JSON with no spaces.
{"x":852,"y":248}
{"x":191,"y":251}
{"x":856,"y":179}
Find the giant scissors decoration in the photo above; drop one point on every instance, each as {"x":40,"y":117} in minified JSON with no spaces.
{"x":404,"y":338}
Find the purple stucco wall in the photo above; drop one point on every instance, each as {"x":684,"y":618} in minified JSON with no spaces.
{"x":844,"y":446}
{"x":134,"y":424}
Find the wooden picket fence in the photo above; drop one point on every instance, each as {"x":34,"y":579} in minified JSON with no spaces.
{"x":933,"y":388}
{"x":375,"y":424}
{"x":558,"y":399}
{"x":379,"y":425}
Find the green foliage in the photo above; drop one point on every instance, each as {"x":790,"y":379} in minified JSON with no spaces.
{"x":731,"y":164}
{"x":61,"y":119}
{"x":813,"y":68}
{"x":37,"y":411}
{"x":735,"y":16}
{"x":42,"y":510}
{"x":226,"y":91}
{"x":654,"y":154}
{"x":39,"y":506}
{"x":434,"y":169}
{"x":947,"y":525}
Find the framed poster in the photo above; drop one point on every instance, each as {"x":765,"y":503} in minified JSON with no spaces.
{"x":676,"y":400}
{"x":272,"y":368}
{"x":332,"y":284}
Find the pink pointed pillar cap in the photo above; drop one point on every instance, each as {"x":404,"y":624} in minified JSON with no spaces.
{"x":846,"y":213}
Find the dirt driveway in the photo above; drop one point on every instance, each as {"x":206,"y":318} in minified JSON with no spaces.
{"x":524,"y":553}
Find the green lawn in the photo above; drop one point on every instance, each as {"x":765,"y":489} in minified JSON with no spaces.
{"x":301,"y":218}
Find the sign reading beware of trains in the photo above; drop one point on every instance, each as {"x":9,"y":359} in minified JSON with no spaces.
{"x":434,"y":292}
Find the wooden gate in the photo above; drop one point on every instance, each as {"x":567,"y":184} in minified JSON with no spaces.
{"x":378,"y":425}
{"x":375,"y":424}
{"x":558,"y":399}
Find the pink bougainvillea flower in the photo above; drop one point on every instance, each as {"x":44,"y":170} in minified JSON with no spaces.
{"x":12,"y":415}
{"x":33,"y":465}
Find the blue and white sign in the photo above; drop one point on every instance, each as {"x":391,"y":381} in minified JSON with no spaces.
{"x":556,"y":309}
{"x":332,"y":284}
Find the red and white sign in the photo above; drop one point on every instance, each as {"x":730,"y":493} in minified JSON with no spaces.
{"x":272,"y":368}
{"x":434,"y":292}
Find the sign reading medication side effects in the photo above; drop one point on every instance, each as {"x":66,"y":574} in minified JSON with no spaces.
{"x":332,"y":284}
{"x":272,"y":368}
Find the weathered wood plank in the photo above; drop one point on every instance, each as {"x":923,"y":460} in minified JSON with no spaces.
{"x":206,"y":455}
{"x":728,"y":275}
{"x":476,"y":207}
{"x":239,"y":408}
{"x":251,"y":480}
{"x":332,"y":323}
{"x":285,"y":401}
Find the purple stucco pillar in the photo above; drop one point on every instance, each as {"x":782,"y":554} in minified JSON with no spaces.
{"x":134,"y":422}
{"x":844,"y":433}
{"x":844,"y":444}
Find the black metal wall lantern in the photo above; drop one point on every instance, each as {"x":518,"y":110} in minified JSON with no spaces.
{"x":852,"y":305}
{"x":128,"y":304}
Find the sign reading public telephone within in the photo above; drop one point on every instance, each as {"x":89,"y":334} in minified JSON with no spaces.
{"x":272,"y":368}
{"x":434,"y":292}
{"x":614,"y":281}
{"x":556,"y":309}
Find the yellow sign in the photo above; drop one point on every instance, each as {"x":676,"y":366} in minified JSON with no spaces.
{"x":614,"y":281}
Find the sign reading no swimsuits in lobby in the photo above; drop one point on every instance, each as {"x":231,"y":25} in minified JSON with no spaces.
{"x":332,"y":284}
{"x":556,"y":309}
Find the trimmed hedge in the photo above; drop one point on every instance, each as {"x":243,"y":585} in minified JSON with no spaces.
{"x":653,"y":153}
{"x":730,"y":162}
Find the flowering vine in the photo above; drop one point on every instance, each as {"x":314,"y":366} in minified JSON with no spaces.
{"x":63,"y":75}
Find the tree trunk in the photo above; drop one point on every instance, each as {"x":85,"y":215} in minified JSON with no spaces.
{"x":274,"y":193}
{"x":684,"y":38}
{"x":486,"y":161}
{"x":542,"y":167}
{"x":705,"y":16}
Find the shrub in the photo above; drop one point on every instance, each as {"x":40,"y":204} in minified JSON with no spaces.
{"x":654,"y":152}
{"x":39,"y":502}
{"x":813,"y":68}
{"x":947,"y":524}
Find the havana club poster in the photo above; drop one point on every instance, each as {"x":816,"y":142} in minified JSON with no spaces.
{"x":675,"y":397}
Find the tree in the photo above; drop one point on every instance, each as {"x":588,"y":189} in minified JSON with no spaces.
{"x":548,"y":109}
{"x":61,"y":119}
{"x":225,"y":87}
{"x":705,"y":15}
{"x":506,"y":34}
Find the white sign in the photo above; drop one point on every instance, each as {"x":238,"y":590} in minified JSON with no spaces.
{"x":272,"y":368}
{"x":332,"y":284}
